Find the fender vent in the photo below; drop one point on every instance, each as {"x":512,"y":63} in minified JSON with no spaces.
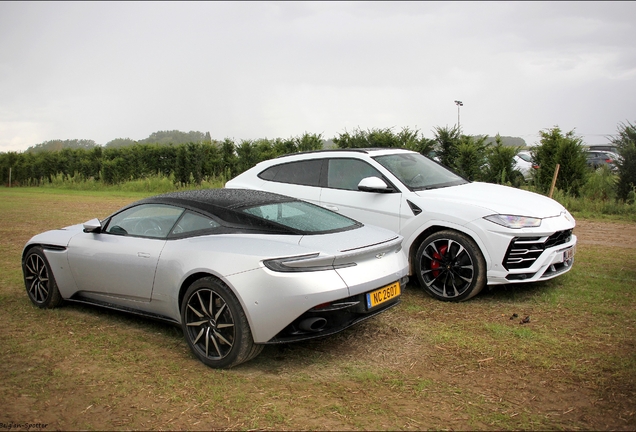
{"x":415,"y":209}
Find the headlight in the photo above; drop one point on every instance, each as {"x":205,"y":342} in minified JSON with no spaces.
{"x":512,"y":221}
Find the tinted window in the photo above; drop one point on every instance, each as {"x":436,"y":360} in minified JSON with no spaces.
{"x":306,"y":173}
{"x":347,"y":173}
{"x":525,"y":156}
{"x":146,"y":220}
{"x":303,"y":217}
{"x":192,"y":222}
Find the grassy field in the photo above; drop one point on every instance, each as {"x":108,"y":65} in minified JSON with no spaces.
{"x":422,"y":365}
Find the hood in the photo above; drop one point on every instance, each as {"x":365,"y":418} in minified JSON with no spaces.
{"x":497,"y":199}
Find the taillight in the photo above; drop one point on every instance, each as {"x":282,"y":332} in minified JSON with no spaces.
{"x":304,"y":263}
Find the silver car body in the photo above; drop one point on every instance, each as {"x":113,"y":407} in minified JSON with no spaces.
{"x":148,"y":275}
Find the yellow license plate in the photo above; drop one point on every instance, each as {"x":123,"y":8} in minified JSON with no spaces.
{"x":383,"y":294}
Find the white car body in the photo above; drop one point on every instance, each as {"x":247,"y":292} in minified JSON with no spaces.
{"x":511,"y":255}
{"x":524,"y":164}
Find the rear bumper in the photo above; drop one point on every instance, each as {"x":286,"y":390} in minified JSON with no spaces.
{"x":328,"y":319}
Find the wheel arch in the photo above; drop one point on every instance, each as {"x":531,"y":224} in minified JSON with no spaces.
{"x":195,"y":277}
{"x":43,"y":246}
{"x":27,"y":248}
{"x":190,"y":279}
{"x":432,"y":229}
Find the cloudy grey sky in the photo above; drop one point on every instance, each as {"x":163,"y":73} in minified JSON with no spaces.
{"x":264,"y":70}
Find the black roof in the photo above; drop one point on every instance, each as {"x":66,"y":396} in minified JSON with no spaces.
{"x":225,"y":204}
{"x":210,"y":200}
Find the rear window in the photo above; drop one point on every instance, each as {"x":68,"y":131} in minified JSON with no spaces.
{"x":306,"y":173}
{"x":303,"y":217}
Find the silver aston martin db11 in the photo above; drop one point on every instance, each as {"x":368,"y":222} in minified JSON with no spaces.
{"x":236,"y":269}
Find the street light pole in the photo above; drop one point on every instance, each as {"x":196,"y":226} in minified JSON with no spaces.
{"x":459,"y":104}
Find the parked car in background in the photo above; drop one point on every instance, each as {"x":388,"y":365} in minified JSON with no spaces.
{"x":525,"y":164}
{"x":597,"y":159}
{"x":236,"y":269}
{"x":603,"y":147}
{"x":614,"y":156}
{"x":459,"y":236}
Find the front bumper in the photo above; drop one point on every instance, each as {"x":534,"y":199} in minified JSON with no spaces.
{"x":535,"y":262}
{"x":530,"y":254}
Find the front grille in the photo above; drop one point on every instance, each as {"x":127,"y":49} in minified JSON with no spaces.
{"x":558,"y":238}
{"x":524,"y":251}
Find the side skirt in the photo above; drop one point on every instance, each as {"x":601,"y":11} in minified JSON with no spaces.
{"x":111,"y":306}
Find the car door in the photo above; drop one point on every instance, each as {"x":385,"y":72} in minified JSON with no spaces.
{"x":341,"y":194}
{"x":120,"y":260}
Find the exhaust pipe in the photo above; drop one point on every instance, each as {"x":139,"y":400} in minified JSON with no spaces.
{"x":313,"y":324}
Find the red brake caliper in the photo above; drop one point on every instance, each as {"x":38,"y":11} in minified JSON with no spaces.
{"x":437,"y":260}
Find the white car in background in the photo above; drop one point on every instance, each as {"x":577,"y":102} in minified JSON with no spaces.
{"x":459,"y":236}
{"x":525,"y":164}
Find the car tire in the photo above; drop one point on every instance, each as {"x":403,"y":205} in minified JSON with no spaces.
{"x":215,"y":326}
{"x":450,"y":266}
{"x":39,"y":280}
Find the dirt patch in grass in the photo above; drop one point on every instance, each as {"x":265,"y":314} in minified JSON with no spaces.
{"x":423,"y":365}
{"x":609,"y":234}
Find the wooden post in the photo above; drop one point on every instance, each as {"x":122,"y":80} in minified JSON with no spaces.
{"x":554,"y":177}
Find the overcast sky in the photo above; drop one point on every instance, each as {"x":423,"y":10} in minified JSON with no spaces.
{"x":244,"y":70}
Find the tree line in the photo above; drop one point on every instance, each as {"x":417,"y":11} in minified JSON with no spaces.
{"x":476,"y":158}
{"x":168,"y":137}
{"x":188,"y":163}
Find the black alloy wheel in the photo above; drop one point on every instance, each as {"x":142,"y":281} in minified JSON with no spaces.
{"x":450,"y":266}
{"x":215,"y":325}
{"x":39,"y":281}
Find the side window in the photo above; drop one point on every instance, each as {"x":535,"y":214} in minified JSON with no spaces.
{"x":146,"y":220}
{"x":347,"y":173}
{"x":192,"y":222}
{"x":305,"y":173}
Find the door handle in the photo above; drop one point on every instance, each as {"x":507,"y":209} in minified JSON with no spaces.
{"x":143,"y":254}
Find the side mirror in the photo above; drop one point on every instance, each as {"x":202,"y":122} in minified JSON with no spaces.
{"x":93,"y":226}
{"x":374,"y":184}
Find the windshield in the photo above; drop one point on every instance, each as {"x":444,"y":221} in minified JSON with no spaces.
{"x":418,"y":172}
{"x":304,"y":217}
{"x":525,"y":156}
